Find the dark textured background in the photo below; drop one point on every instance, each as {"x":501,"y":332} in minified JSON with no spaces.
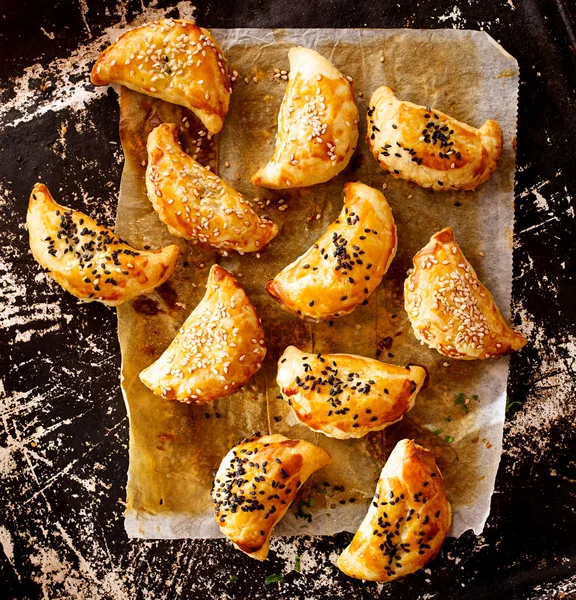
{"x":63,"y":429}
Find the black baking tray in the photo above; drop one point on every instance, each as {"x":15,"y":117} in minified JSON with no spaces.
{"x":61,"y":524}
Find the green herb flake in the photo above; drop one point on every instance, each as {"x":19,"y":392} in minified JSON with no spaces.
{"x":436,"y":432}
{"x":301,"y":513}
{"x":448,"y":419}
{"x":448,"y":439}
{"x":475,"y":397}
{"x":461,"y":400}
{"x":233,"y":578}
{"x":297,"y":564}
{"x":509,"y":404}
{"x":275,"y":578}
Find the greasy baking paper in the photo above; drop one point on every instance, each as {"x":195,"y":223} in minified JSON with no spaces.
{"x":175,"y":448}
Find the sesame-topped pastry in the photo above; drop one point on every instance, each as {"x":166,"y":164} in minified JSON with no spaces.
{"x":407,"y":521}
{"x":346,"y":264}
{"x":450,"y":309}
{"x":428,"y":147}
{"x":256,"y":483}
{"x":174,"y":60}
{"x":345,"y":396}
{"x":196,"y":204}
{"x":218,"y":348}
{"x":89,"y":260}
{"x":317,"y":125}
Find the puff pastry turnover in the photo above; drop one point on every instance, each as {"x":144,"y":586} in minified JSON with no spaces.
{"x":317,"y":125}
{"x":346,"y":264}
{"x":174,"y":60}
{"x":450,"y":309}
{"x":428,"y":147}
{"x":196,"y":204}
{"x":407,"y":521}
{"x":346,"y":396}
{"x":88,"y":260}
{"x":218,"y":348}
{"x":256,"y":483}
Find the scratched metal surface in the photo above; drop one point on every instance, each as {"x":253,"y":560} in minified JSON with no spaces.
{"x":63,"y":429}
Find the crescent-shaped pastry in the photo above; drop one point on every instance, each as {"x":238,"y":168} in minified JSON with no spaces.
{"x":407,"y":521}
{"x":88,"y":260}
{"x":346,"y":396}
{"x":450,"y":309}
{"x":218,"y":348}
{"x":346,"y":264}
{"x":256,"y":483}
{"x":317,"y":125}
{"x":428,"y":147}
{"x":174,"y":60}
{"x":196,"y":204}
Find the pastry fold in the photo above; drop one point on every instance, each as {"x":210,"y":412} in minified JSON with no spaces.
{"x":450,"y":309}
{"x":89,"y":260}
{"x":218,"y":348}
{"x":407,"y":521}
{"x":195,"y":203}
{"x":255,"y":485}
{"x":317,"y":125}
{"x":173,"y":60}
{"x":428,"y":147}
{"x":346,"y":264}
{"x":345,"y":396}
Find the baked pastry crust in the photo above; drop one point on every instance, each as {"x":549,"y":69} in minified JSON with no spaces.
{"x":255,"y":485}
{"x":317,"y":125}
{"x":195,"y":203}
{"x":346,"y":396}
{"x":428,"y":147}
{"x":450,"y":309}
{"x":346,"y":264}
{"x":218,"y":348}
{"x":407,"y":521}
{"x":174,"y":60}
{"x":89,"y":260}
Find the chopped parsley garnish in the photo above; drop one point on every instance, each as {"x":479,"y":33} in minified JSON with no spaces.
{"x":276,"y":578}
{"x":233,"y":578}
{"x":461,"y":400}
{"x":301,"y":513}
{"x":297,"y":564}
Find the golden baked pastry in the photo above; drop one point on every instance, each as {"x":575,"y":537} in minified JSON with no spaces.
{"x":317,"y":125}
{"x":346,"y":264}
{"x":256,"y":483}
{"x":450,"y":309}
{"x":196,"y":204}
{"x":174,"y":60}
{"x":218,"y":348}
{"x":346,"y":396}
{"x":407,"y":521}
{"x":88,"y":260}
{"x":428,"y":147}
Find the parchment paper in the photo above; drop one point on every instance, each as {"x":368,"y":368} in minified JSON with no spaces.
{"x":175,"y":448}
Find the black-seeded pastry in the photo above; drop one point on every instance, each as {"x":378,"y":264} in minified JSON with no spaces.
{"x":346,"y":396}
{"x":174,"y":60}
{"x":428,"y":147}
{"x":317,"y":125}
{"x":450,"y":309}
{"x":407,"y":521}
{"x":195,"y":203}
{"x":346,"y":264}
{"x":218,"y":348}
{"x":89,"y":260}
{"x":256,"y":483}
